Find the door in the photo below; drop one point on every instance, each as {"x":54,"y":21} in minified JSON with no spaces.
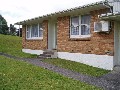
{"x":52,"y":35}
{"x":55,"y":36}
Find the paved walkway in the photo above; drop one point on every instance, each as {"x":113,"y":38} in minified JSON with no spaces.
{"x":110,"y":81}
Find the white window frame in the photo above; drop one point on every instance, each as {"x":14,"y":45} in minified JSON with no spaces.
{"x":79,"y":36}
{"x":30,"y":38}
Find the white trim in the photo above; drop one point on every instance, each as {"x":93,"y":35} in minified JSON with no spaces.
{"x":33,"y":38}
{"x":81,"y":36}
{"x":100,"y":61}
{"x":38,"y":52}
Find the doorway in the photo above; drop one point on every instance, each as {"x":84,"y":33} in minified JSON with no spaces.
{"x":52,"y":35}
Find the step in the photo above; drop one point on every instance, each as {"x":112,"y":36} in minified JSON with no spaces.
{"x":48,"y":52}
{"x":41,"y":57}
{"x":45,"y":55}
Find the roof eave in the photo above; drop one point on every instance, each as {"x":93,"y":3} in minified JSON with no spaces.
{"x":88,"y":7}
{"x":111,"y":17}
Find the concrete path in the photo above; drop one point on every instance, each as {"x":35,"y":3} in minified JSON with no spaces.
{"x":110,"y":81}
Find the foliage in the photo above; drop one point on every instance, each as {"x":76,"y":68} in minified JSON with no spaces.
{"x":12,"y":30}
{"x":3,"y":26}
{"x":12,"y":45}
{"x":78,"y":67}
{"x":18,"y":75}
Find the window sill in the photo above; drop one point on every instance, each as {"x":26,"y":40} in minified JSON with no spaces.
{"x":80,"y":39}
{"x":34,"y":38}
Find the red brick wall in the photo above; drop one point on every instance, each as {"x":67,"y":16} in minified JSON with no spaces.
{"x":35,"y":44}
{"x":98,"y":43}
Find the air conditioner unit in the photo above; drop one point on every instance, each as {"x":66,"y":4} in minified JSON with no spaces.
{"x":102,"y":26}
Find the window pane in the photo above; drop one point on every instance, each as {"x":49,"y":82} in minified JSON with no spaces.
{"x":85,"y":19}
{"x":85,"y":25}
{"x":74,"y":30}
{"x":34,"y":31}
{"x":75,"y":21}
{"x":75,"y":26}
{"x":40,"y":31}
{"x":28,"y":31}
{"x":85,"y":30}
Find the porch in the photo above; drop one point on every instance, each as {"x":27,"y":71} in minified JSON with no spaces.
{"x":114,"y":17}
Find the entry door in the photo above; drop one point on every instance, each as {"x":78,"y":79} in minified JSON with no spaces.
{"x":52,"y":35}
{"x":55,"y":36}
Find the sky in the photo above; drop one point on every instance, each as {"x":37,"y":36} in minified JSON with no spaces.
{"x":18,"y":10}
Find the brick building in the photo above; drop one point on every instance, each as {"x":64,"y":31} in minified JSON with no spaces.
{"x":88,"y":34}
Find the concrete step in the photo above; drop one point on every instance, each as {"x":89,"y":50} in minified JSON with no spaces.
{"x":49,"y":52}
{"x":45,"y":55}
{"x":41,"y":57}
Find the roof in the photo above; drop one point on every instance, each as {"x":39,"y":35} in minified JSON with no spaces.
{"x":110,"y":16}
{"x":92,"y":6}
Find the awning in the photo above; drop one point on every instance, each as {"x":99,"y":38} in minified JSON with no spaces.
{"x":111,"y":16}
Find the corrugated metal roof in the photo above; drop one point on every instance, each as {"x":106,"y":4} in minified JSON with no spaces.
{"x":110,"y":16}
{"x":60,"y":12}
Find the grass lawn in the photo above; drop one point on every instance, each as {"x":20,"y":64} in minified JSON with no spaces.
{"x":12,"y":45}
{"x":18,"y":75}
{"x":78,"y":67}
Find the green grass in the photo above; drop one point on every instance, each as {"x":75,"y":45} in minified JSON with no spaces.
{"x":78,"y":67}
{"x":12,"y":45}
{"x":19,"y":75}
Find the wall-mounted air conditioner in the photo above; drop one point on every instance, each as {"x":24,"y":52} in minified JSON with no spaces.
{"x":101,"y":26}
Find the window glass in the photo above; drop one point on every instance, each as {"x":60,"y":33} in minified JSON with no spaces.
{"x":85,"y":30}
{"x":85,"y":19}
{"x":40,"y":32}
{"x":28,"y":31}
{"x":75,"y":26}
{"x":34,"y":31}
{"x":85,"y":25}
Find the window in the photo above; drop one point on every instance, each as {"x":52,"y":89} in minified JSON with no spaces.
{"x":80,"y":26}
{"x":34,"y":31}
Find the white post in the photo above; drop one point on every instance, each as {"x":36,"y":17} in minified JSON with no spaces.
{"x":19,"y":30}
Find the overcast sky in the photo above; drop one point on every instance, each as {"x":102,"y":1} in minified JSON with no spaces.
{"x":18,"y":10}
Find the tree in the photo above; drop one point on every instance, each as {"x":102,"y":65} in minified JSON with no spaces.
{"x":12,"y":30}
{"x":3,"y":26}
